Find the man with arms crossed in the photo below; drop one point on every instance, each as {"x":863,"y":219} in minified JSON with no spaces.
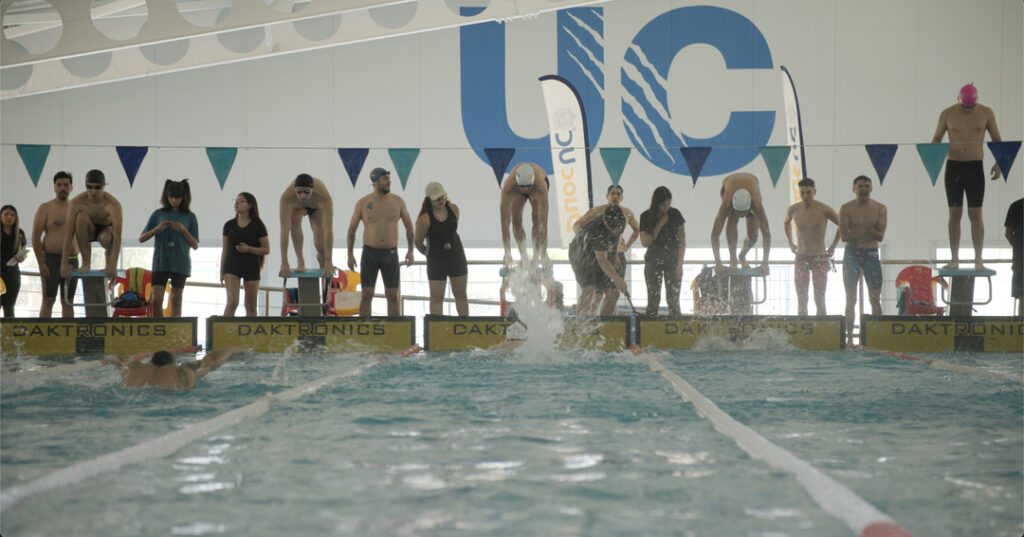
{"x":307,"y":196}
{"x":48,"y":233}
{"x":93,"y":215}
{"x":526,"y":182}
{"x":813,"y":260}
{"x":380,"y":212}
{"x":862,"y":226}
{"x":741,"y":198}
{"x":966,"y":124}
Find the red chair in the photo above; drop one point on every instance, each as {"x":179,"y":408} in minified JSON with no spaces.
{"x":916,"y":291}
{"x":140,"y":282}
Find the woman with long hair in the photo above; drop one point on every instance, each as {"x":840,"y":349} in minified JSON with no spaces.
{"x":241,"y":257}
{"x":12,"y":244}
{"x":663,"y":233}
{"x":176,"y":230}
{"x":436,"y":237}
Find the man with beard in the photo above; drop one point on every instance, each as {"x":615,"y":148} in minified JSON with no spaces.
{"x":48,"y":231}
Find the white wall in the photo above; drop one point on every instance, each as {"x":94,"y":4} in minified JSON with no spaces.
{"x":866,"y":72}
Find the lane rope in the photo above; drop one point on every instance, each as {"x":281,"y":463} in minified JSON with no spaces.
{"x":949,"y":366}
{"x":863,"y":518}
{"x":169,"y":443}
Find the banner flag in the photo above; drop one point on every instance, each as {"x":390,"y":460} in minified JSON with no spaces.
{"x":499,"y":157}
{"x":353,"y":159}
{"x":695,"y":158}
{"x":222,"y":159}
{"x":615,"y":161}
{"x":1005,"y":153}
{"x":34,"y":158}
{"x":775,"y":157}
{"x":570,"y":155}
{"x":933,"y":156}
{"x":403,"y":159}
{"x":881,"y":158}
{"x":131,"y":159}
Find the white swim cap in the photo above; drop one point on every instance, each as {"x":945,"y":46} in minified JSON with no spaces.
{"x":515,"y":332}
{"x":524,"y":175}
{"x":741,"y":200}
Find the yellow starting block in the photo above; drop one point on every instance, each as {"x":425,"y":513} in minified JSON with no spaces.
{"x":122,"y":335}
{"x":330,"y":334}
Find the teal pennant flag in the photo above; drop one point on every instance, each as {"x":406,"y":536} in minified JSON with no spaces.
{"x":34,"y":158}
{"x":932,"y":156}
{"x":615,"y":161}
{"x":403,"y":159}
{"x":774,"y":157}
{"x":221,"y":159}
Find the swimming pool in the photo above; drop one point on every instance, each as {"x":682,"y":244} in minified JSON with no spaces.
{"x":472,"y":443}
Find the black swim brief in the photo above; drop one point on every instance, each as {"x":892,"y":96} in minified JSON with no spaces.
{"x":965,"y":177}
{"x":376,"y":260}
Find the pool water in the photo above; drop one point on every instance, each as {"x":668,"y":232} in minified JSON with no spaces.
{"x":530,"y":444}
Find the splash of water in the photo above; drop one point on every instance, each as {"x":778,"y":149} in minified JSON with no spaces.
{"x":544,"y":323}
{"x":762,"y":339}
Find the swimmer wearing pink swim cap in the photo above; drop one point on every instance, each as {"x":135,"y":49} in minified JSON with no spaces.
{"x":966,"y":123}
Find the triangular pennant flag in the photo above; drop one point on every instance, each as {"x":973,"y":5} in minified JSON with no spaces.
{"x":222,"y":159}
{"x":131,"y":158}
{"x":403,"y":159}
{"x":932,"y":156}
{"x":881,"y":158}
{"x":615,"y":161}
{"x":499,"y":158}
{"x":34,"y":158}
{"x":775,"y":157}
{"x":1005,"y":153}
{"x":695,"y":158}
{"x":353,"y":159}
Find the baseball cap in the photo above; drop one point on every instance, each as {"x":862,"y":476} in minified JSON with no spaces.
{"x":435,"y":190}
{"x":377,"y":173}
{"x":524,"y":175}
{"x":741,"y":200}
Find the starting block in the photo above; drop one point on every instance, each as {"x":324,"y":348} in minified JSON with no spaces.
{"x":97,"y":293}
{"x":310,"y":303}
{"x":961,"y":290}
{"x":749,"y":273}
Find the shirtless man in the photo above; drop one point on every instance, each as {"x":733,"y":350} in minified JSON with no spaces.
{"x":614,"y":197}
{"x":93,"y":215}
{"x":48,"y":233}
{"x":862,"y":226}
{"x":161,"y":372}
{"x":741,"y":198}
{"x":526,"y":182}
{"x":307,"y":196}
{"x":812,"y":258}
{"x":966,"y":123}
{"x":380,"y":212}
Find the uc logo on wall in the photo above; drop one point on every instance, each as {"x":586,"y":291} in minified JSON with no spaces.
{"x":645,"y":101}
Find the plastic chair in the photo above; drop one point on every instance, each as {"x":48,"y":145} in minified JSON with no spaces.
{"x":139,"y":281}
{"x":916,"y":291}
{"x":708,"y":296}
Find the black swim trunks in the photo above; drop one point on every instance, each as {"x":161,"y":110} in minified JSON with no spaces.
{"x":55,"y":282}
{"x":310,"y":210}
{"x":97,"y":230}
{"x":376,"y":260}
{"x":965,"y":176}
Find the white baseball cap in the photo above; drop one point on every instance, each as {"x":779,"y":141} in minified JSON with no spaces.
{"x":435,"y":190}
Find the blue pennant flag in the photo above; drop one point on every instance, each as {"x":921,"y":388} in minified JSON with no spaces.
{"x":775,"y":159}
{"x":881,"y":158}
{"x":615,"y":161}
{"x":932,"y":156}
{"x":403,"y":159}
{"x":34,"y":158}
{"x":353,"y":159}
{"x":222,"y":159}
{"x":499,"y":157}
{"x":131,"y":159}
{"x":695,"y":158}
{"x":1005,"y":153}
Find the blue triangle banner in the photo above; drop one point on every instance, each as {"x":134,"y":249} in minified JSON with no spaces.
{"x":222,"y":159}
{"x":353,"y":159}
{"x":881,"y":156}
{"x":775,"y":157}
{"x":499,"y":157}
{"x":34,"y":158}
{"x":615,"y":161}
{"x":131,"y":159}
{"x":933,"y":156}
{"x":403,"y":159}
{"x":1005,"y":153}
{"x":695,"y":158}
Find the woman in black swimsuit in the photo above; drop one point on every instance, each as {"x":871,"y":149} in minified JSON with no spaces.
{"x":446,"y":258}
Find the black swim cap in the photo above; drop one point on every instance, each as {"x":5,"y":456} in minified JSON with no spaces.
{"x":304,"y":180}
{"x":162,"y":358}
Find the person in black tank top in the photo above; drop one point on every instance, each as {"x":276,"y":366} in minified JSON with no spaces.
{"x":436,"y":237}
